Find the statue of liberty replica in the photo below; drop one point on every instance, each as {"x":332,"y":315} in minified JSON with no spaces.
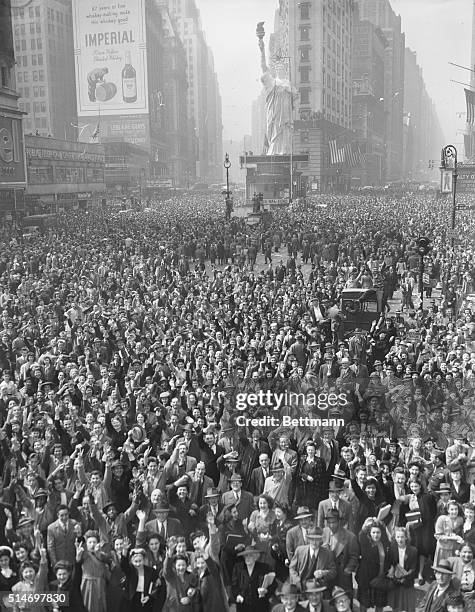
{"x":279,"y":102}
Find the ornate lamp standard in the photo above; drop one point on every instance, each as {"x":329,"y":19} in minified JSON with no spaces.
{"x":229,"y":205}
{"x":449,"y":153}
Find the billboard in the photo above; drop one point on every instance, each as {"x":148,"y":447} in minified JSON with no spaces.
{"x":446,"y":181}
{"x":12,"y":152}
{"x":128,"y":128}
{"x":110,"y":57}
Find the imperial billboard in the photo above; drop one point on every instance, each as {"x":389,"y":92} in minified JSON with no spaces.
{"x":110,"y":57}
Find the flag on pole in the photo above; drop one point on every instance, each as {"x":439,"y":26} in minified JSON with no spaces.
{"x":353,"y":156}
{"x":96,"y":132}
{"x":470,"y":100}
{"x":337,"y":154}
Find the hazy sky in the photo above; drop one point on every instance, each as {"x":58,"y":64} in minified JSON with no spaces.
{"x":438,"y":30}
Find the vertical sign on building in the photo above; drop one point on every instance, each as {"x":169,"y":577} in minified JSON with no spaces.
{"x":110,"y":57}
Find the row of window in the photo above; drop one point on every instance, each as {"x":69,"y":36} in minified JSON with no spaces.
{"x":20,"y":30}
{"x":19,"y":13}
{"x":36,"y":60}
{"x":38,"y":107}
{"x":35,"y":43}
{"x":36,"y":123}
{"x":38,"y":92}
{"x":37,"y":75}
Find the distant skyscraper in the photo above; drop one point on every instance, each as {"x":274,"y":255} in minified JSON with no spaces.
{"x":380,"y":13}
{"x":204,"y":100}
{"x":43,"y":38}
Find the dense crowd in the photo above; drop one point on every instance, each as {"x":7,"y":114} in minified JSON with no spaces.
{"x":158,"y":446}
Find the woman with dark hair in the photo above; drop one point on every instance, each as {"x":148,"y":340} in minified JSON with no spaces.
{"x":8,"y":575}
{"x":95,"y":572}
{"x":311,"y":482}
{"x":279,"y":529}
{"x":233,"y":537}
{"x":182,"y":585}
{"x":448,"y":533}
{"x":373,"y":567}
{"x":464,"y":572}
{"x":32,"y":581}
{"x":259,"y":526}
{"x":422,"y":528}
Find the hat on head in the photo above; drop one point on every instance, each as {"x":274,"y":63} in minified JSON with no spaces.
{"x":443,"y":567}
{"x":315,"y":533}
{"x":444,"y":488}
{"x":6,"y":550}
{"x":109,"y":504}
{"x":235,"y":478}
{"x":455,"y":467}
{"x":345,"y":360}
{"x":212,"y":492}
{"x":337,"y":593}
{"x":303,"y":512}
{"x":40,"y":493}
{"x":162,"y":507}
{"x":311,"y":586}
{"x":335,"y":485}
{"x":25,"y":521}
{"x":250,"y":550}
{"x":288,"y":589}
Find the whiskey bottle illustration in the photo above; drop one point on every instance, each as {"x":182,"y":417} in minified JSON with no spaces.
{"x":129,"y":81}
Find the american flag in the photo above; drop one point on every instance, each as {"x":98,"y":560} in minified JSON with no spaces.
{"x":95,"y":134}
{"x":337,"y":154}
{"x":354,"y":158}
{"x":470,"y":100}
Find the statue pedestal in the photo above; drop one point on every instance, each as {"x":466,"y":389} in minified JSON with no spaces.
{"x":270,"y":175}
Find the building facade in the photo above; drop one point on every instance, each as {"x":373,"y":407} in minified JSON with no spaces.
{"x":368,"y":116}
{"x":43,"y":38}
{"x":12,"y":154}
{"x":423,"y":136}
{"x":203,"y":100}
{"x":63,"y":174}
{"x":381,"y":14}
{"x":320,"y":44}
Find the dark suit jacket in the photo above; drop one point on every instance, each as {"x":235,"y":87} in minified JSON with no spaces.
{"x":245,"y":505}
{"x":150,"y":575}
{"x":246,"y":586}
{"x":347,"y":554}
{"x":257,"y":481}
{"x":73,"y":588}
{"x":194,"y":489}
{"x":430,"y":603}
{"x":173,"y":528}
{"x":344,"y":508}
{"x":293,"y":539}
{"x":299,"y":565}
{"x":60,"y":543}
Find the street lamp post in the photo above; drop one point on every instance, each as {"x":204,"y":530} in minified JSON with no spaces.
{"x":450,"y":153}
{"x":227,"y":165}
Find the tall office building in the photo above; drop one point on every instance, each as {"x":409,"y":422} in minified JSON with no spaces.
{"x":423,"y":136}
{"x":320,"y":42}
{"x":368,"y":118}
{"x":204,"y":101}
{"x":381,"y":14}
{"x":12,"y":151}
{"x":43,"y":38}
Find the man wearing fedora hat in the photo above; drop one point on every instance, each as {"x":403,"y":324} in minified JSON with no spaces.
{"x":345,"y":547}
{"x":437,"y":594}
{"x":212,"y":506}
{"x":313,"y":561}
{"x":297,"y":536}
{"x":289,"y":599}
{"x":341,"y":600}
{"x":162,"y":524}
{"x":243,"y":500}
{"x":443,"y":493}
{"x":313,"y":594}
{"x":335,"y":502}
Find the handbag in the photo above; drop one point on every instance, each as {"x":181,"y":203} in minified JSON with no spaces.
{"x":382,"y":583}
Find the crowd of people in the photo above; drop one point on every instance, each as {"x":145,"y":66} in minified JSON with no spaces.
{"x":158,"y":446}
